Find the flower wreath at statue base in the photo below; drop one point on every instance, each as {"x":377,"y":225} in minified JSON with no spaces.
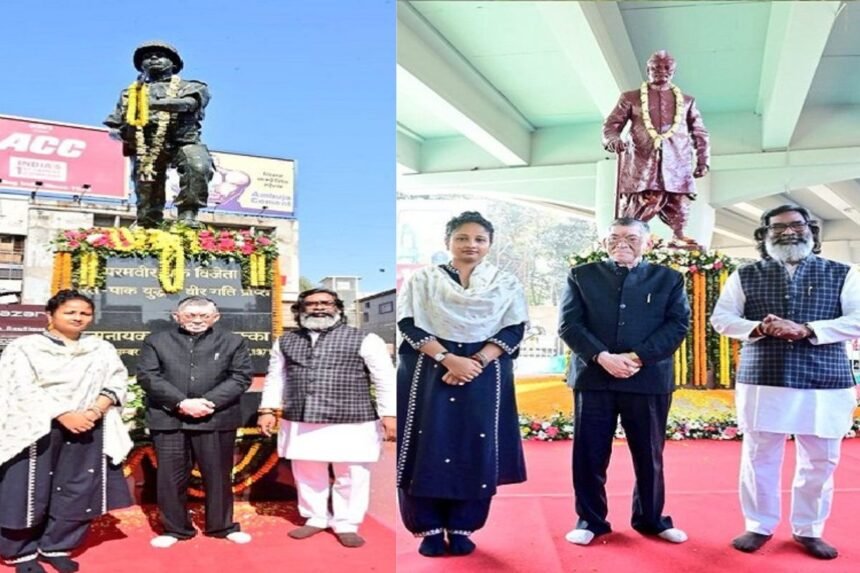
{"x":79,"y":262}
{"x":705,"y":360}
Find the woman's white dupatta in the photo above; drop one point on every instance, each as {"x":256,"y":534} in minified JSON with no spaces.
{"x":39,"y":380}
{"x":493,"y":300}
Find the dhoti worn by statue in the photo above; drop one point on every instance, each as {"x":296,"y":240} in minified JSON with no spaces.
{"x":657,"y":180}
{"x":457,"y":443}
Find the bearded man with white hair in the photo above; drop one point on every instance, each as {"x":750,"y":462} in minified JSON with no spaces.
{"x":794,"y":311}
{"x":319,"y":382}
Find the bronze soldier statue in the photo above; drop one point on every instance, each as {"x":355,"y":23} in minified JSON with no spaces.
{"x":655,"y":175}
{"x":159,"y":118}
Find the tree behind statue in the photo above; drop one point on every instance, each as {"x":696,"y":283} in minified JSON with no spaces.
{"x":159,"y":118}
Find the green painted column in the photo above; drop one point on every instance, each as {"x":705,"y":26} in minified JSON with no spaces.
{"x":701,"y":223}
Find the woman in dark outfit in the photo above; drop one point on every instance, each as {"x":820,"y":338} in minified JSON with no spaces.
{"x":61,"y":437}
{"x":462,"y":323}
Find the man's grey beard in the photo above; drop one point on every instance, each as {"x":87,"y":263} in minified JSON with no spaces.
{"x":318,"y":322}
{"x":790,"y":253}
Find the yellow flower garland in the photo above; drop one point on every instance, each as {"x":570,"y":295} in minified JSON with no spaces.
{"x":193,"y":242}
{"x":120,"y":234}
{"x":61,"y":277}
{"x":261,"y":270}
{"x":137,"y":114}
{"x":656,"y":137}
{"x":147,"y":155}
{"x":725,"y":354}
{"x":88,"y":270}
{"x":257,"y":270}
{"x":277,"y":305}
{"x":171,"y":271}
{"x":252,"y":270}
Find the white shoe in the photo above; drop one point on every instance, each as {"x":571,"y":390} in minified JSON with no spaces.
{"x":239,"y":537}
{"x":579,"y":536}
{"x":673,"y":535}
{"x":163,"y":541}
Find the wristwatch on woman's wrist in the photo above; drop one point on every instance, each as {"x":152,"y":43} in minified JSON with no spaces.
{"x":439,"y":357}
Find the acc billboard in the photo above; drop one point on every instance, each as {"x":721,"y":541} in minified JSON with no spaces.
{"x":60,"y":159}
{"x":247,"y":184}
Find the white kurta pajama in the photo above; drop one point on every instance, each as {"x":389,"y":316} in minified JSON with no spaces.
{"x":818,"y":419}
{"x":349,"y":447}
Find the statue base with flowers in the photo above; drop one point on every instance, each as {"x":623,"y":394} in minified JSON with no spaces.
{"x":137,"y":276}
{"x":704,"y":361}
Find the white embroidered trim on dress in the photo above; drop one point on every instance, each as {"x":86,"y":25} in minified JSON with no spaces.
{"x":410,"y":416}
{"x":22,"y":559}
{"x":460,"y":532}
{"x":104,"y":472}
{"x":31,"y":484}
{"x":498,"y":407}
{"x":429,"y":532}
{"x":55,"y":553}
{"x":420,"y":343}
{"x":503,"y":346}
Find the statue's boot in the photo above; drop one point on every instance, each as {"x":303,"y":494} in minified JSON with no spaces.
{"x":189,"y":219}
{"x":681,"y":241}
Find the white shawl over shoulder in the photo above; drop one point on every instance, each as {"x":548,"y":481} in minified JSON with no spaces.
{"x":40,"y":379}
{"x":494,"y":300}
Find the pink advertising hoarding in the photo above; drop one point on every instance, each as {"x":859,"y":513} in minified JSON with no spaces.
{"x":61,"y":159}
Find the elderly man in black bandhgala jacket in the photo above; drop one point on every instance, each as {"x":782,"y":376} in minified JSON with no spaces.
{"x":194,"y":376}
{"x":623,"y":319}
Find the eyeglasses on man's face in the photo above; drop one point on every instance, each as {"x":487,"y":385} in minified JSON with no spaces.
{"x":796,"y":226}
{"x":322,"y":303}
{"x":632,"y":240}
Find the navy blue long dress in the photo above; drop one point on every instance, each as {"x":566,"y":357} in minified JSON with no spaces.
{"x":456,"y":443}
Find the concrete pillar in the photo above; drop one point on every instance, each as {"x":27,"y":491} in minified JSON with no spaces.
{"x":604,"y":195}
{"x":43,"y":226}
{"x":702,"y":215}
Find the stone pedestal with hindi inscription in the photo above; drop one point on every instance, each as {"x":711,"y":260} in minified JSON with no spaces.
{"x":132,"y":304}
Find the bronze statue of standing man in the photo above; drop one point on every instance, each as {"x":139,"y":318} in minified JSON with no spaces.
{"x":159,"y":118}
{"x":655,"y":175}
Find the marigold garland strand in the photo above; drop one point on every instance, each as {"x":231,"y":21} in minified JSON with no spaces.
{"x":656,"y":137}
{"x":277,"y":294}
{"x":148,"y":154}
{"x":702,"y":331}
{"x":171,"y":273}
{"x":61,"y":278}
{"x":137,"y":114}
{"x":725,"y":355}
{"x":88,"y":267}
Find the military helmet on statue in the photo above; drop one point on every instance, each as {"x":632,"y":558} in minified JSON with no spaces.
{"x":169,"y":50}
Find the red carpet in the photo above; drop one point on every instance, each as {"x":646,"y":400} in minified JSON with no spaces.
{"x":525,"y":532}
{"x":119,"y":542}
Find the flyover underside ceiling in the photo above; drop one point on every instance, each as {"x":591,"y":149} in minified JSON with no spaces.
{"x":507,"y":98}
